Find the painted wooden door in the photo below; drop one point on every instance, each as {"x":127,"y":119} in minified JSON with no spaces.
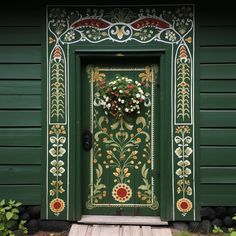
{"x":120,"y":171}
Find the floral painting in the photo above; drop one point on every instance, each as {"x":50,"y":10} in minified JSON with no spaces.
{"x":169,"y":29}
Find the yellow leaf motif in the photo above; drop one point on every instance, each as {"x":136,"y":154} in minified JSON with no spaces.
{"x":189,"y":191}
{"x":146,"y":76}
{"x":179,"y":172}
{"x":187,"y":171}
{"x":127,"y":174}
{"x":97,"y":76}
{"x":118,"y":170}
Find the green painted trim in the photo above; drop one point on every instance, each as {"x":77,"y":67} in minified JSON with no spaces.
{"x":44,"y":92}
{"x":197,"y":113}
{"x":165,"y":120}
{"x":77,"y":85}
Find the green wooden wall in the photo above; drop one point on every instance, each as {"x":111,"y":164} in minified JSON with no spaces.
{"x":20,"y":105}
{"x":217,"y":105}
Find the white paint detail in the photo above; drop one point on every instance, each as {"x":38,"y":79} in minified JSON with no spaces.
{"x":172,"y":136}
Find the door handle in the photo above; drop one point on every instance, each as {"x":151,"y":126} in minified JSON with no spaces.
{"x":87,"y":140}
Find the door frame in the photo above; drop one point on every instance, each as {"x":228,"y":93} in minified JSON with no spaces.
{"x":164,"y":119}
{"x":175,"y":42}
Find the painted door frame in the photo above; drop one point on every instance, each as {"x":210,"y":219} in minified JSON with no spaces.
{"x":176,"y":48}
{"x":163,"y":117}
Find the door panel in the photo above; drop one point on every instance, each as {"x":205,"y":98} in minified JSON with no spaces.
{"x":120,"y":171}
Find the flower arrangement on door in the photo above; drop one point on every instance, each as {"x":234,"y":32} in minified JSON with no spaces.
{"x":121,"y":97}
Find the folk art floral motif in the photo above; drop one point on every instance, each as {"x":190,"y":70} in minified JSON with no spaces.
{"x":57,"y":151}
{"x":172,"y":26}
{"x":128,"y":141}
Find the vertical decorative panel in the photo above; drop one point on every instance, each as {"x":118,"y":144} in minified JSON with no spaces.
{"x":158,"y":27}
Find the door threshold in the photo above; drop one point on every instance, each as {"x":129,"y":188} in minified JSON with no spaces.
{"x":122,"y":220}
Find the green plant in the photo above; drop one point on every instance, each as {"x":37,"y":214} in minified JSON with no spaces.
{"x":219,"y":231}
{"x":183,"y":233}
{"x":9,"y":214}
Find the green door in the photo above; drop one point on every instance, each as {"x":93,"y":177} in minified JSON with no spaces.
{"x":120,"y":162}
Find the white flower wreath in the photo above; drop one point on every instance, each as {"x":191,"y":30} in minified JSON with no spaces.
{"x":121,"y":96}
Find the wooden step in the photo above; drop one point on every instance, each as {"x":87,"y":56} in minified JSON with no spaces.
{"x":117,"y":230}
{"x":122,"y":220}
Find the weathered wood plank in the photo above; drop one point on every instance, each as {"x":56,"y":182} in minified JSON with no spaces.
{"x":20,"y":155}
{"x":20,"y":71}
{"x":165,"y":232}
{"x":20,"y":102}
{"x":146,"y":230}
{"x":20,"y":174}
{"x":20,"y":118}
{"x":215,"y":175}
{"x":218,"y":101}
{"x":21,"y":193}
{"x":217,"y":137}
{"x":20,"y":137}
{"x":96,"y":230}
{"x":135,"y":231}
{"x":108,"y":230}
{"x":78,"y":230}
{"x":217,"y":36}
{"x":218,"y":86}
{"x":217,"y":195}
{"x":20,"y":54}
{"x":20,"y":17}
{"x":20,"y":87}
{"x":156,"y":232}
{"x":217,"y":156}
{"x":218,"y":54}
{"x":125,"y":231}
{"x":89,"y":231}
{"x":20,"y":36}
{"x":218,"y":119}
{"x":218,"y":71}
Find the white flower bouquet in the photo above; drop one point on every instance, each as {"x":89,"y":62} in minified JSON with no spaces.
{"x":121,"y":97}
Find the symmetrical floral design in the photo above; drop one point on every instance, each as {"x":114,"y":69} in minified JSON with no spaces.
{"x":57,"y":205}
{"x":183,"y":85}
{"x":122,"y":192}
{"x":184,"y":205}
{"x":57,"y":151}
{"x":171,"y":26}
{"x":57,"y":85}
{"x":184,"y":172}
{"x":120,"y":25}
{"x":122,"y":138}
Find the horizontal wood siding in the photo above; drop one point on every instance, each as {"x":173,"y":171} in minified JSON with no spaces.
{"x":20,"y":105}
{"x":217,"y":106}
{"x":218,"y":194}
{"x":19,"y":174}
{"x":25,"y":193}
{"x":25,"y":155}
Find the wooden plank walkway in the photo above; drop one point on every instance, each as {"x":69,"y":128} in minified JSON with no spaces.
{"x":117,"y":230}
